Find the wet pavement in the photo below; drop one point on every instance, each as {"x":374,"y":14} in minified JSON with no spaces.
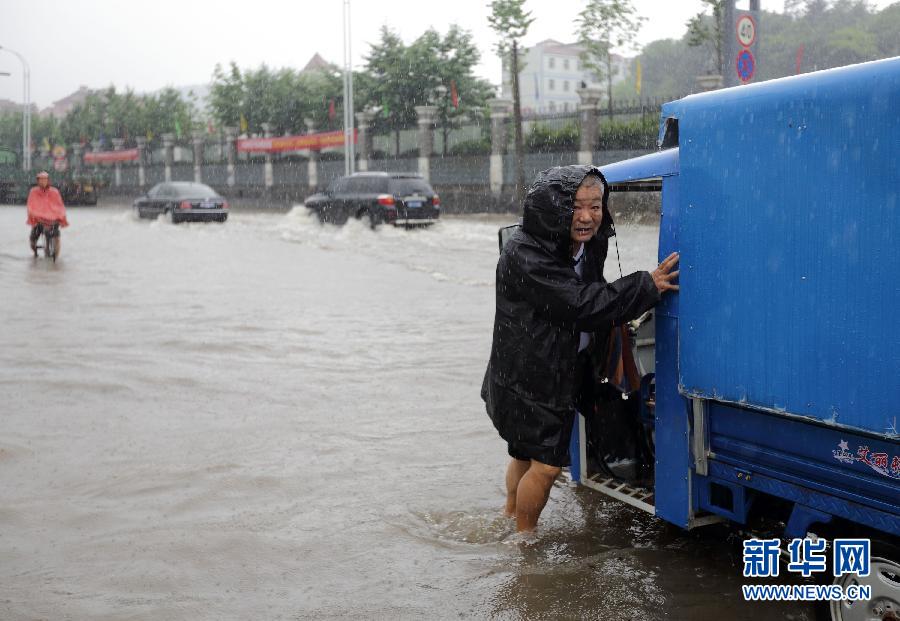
{"x":271,"y":419}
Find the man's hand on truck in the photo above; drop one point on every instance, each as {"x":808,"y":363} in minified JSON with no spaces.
{"x":663,"y":274}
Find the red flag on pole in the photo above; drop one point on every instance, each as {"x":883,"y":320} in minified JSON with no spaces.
{"x":331,"y":112}
{"x":454,"y":96}
{"x":799,"y":60}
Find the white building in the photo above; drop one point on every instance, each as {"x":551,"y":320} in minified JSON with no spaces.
{"x":552,"y":73}
{"x":61,"y":107}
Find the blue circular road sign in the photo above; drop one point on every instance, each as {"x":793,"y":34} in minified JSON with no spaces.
{"x":746,"y":65}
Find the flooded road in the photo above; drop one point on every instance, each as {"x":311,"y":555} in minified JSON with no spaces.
{"x":269,"y":419}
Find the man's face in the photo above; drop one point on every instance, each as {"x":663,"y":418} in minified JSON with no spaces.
{"x":43,"y":182}
{"x":588,"y":214}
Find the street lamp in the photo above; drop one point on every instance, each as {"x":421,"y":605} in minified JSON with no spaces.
{"x":349,"y":147}
{"x":26,"y":109}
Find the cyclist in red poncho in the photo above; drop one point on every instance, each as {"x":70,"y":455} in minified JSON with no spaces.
{"x":45,"y":210}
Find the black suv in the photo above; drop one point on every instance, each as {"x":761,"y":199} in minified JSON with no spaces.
{"x":402,"y":199}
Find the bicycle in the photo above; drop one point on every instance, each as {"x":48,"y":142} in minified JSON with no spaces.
{"x":51,"y":239}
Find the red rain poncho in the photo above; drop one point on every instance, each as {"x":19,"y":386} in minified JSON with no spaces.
{"x":46,"y":207}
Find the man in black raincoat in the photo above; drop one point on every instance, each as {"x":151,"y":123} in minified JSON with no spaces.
{"x":551,"y":295}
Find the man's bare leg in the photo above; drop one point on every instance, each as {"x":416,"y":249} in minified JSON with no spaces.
{"x":532,"y":494}
{"x":514,"y":473}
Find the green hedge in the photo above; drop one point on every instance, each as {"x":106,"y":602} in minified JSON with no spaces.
{"x":543,"y":139}
{"x":479,"y":146}
{"x":637,"y":134}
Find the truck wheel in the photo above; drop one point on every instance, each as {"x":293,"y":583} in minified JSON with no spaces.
{"x":883,"y":578}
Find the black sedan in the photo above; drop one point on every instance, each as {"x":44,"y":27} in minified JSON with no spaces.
{"x":401,"y":199}
{"x":181,"y":201}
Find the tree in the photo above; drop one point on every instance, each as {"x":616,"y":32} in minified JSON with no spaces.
{"x":604,"y":25}
{"x":885,"y":26}
{"x":794,"y":8}
{"x":669,"y":67}
{"x":283,"y":98}
{"x":389,"y":64}
{"x":704,"y":30}
{"x":426,"y":71}
{"x":226,"y":95}
{"x":510,"y":22}
{"x":108,"y":114}
{"x":453,"y":59}
{"x":316,"y":89}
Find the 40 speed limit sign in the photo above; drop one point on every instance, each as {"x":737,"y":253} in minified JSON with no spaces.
{"x":746,"y":30}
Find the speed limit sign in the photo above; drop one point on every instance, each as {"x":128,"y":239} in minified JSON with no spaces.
{"x":746,"y":30}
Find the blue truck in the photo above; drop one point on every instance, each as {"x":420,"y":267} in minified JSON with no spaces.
{"x":771,"y":381}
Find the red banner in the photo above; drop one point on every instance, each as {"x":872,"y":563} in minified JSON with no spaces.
{"x":279,"y":144}
{"x":128,"y":155}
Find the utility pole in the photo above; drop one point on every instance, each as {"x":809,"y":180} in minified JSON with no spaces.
{"x":728,"y":45}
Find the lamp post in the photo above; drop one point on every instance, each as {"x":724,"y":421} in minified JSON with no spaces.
{"x":26,"y":109}
{"x":349,"y":149}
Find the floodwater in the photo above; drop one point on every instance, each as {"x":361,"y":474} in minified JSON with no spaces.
{"x":271,"y":419}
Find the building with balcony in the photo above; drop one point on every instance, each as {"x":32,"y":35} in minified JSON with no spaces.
{"x":550,"y":74}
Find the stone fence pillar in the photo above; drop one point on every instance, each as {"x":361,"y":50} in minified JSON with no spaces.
{"x":230,"y":137}
{"x":425,"y":138}
{"x":197,"y":138}
{"x":96,"y":145}
{"x":268,"y":175}
{"x":587,"y":116}
{"x":168,"y":145}
{"x":77,"y":159}
{"x":499,"y":140}
{"x":312,"y":165}
{"x":118,"y":143}
{"x":44,"y":158}
{"x":141,"y":143}
{"x":364,"y":138}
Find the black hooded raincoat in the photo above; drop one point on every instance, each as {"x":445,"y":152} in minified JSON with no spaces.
{"x":542,"y":306}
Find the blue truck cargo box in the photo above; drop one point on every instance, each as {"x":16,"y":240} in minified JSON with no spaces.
{"x":787,"y":230}
{"x":773,"y":396}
